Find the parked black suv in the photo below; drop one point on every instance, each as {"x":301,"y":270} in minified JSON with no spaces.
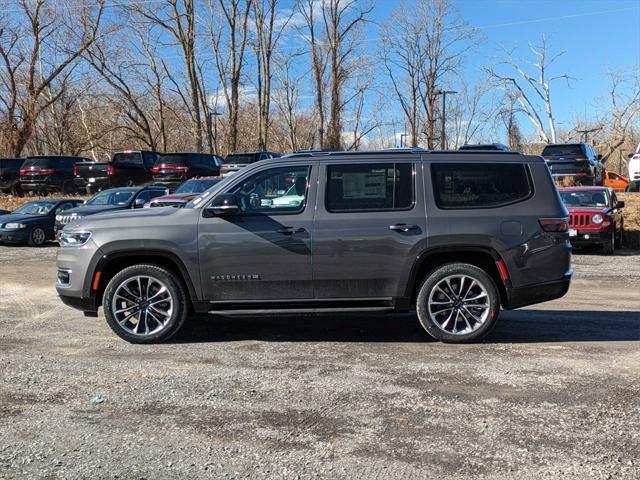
{"x":10,"y":175}
{"x":576,"y":160}
{"x":126,"y":168}
{"x":110,"y":200}
{"x":237,"y":161}
{"x":172,"y":169}
{"x":49,"y":173}
{"x":453,"y":235}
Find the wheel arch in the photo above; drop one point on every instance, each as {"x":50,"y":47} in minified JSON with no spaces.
{"x":110,"y":264}
{"x":430,"y":259}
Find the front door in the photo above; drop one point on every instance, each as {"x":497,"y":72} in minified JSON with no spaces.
{"x":264,"y":252}
{"x":369,"y":228}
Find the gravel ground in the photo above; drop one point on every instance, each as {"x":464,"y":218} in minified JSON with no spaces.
{"x":553,"y":392}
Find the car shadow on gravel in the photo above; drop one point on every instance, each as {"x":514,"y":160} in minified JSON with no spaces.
{"x":518,"y":326}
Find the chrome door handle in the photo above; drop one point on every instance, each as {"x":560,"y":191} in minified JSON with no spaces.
{"x":402,"y":227}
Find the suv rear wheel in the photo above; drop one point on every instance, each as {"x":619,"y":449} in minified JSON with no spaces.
{"x":458,"y":303}
{"x":145,"y":304}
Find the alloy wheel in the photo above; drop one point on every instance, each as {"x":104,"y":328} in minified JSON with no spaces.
{"x":142,"y":305}
{"x":459,"y":304}
{"x":38,"y":236}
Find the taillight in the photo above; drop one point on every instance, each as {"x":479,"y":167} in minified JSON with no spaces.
{"x":23,"y":171}
{"x":581,"y":159}
{"x":75,"y":170}
{"x":175,"y":168}
{"x":45,"y":171}
{"x":554,"y":224}
{"x":110,"y":170}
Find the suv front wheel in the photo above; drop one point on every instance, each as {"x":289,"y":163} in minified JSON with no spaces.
{"x":458,"y":303}
{"x":145,"y":304}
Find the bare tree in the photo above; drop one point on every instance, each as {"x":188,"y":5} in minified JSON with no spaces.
{"x":341,"y":19}
{"x":269,"y":25}
{"x":232,"y":18}
{"x":532,"y":90}
{"x":178,"y":18}
{"x":424,"y":45}
{"x":624,"y":110}
{"x":308,"y":10}
{"x":38,"y":47}
{"x":470,"y":114}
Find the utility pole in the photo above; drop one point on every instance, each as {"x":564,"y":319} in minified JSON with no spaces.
{"x":585,"y":133}
{"x":215,"y":114}
{"x":443,"y":137}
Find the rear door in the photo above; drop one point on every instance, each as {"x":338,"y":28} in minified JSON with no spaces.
{"x":264,"y":252}
{"x":370,"y":226}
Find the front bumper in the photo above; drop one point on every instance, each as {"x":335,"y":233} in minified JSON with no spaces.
{"x":85,"y":305}
{"x":14,"y":236}
{"x":537,"y":293}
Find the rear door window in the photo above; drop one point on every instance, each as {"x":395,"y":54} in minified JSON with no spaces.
{"x":369,"y":187}
{"x":479,"y":185}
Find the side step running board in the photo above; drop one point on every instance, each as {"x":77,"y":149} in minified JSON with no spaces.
{"x":297,"y":311}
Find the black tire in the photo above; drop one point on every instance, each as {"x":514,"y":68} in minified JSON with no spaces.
{"x":609,"y":247}
{"x":491,"y":303}
{"x":620,"y":238}
{"x":174,"y":288}
{"x":37,"y":236}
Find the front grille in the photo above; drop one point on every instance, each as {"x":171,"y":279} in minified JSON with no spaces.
{"x":579,"y":220}
{"x":64,"y":219}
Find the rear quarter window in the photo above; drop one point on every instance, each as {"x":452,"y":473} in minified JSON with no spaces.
{"x":480,"y":185}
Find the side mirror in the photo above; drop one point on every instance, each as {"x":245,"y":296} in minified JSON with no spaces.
{"x":630,"y":156}
{"x":619,"y":204}
{"x":224,"y":204}
{"x":138,"y":203}
{"x":599,"y":157}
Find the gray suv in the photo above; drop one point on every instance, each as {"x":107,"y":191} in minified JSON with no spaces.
{"x":454,"y":235}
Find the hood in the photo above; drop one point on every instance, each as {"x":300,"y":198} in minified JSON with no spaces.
{"x":124,"y":218}
{"x":93,"y":209}
{"x":177,"y":196}
{"x":587,"y":210}
{"x":20,"y":218}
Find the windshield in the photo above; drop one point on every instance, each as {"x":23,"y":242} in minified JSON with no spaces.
{"x":219,"y":185}
{"x":128,"y":157}
{"x":558,"y":150}
{"x":585,"y":199}
{"x":195,"y":186}
{"x":118,"y":197}
{"x":35,"y":208}
{"x":240,"y":158}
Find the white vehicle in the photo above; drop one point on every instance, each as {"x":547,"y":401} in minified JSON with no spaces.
{"x":634,"y":170}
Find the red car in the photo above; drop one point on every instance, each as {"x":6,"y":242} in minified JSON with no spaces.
{"x":595,"y":217}
{"x":185,"y":192}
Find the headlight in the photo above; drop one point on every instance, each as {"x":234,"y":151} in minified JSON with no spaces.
{"x":74,"y":238}
{"x":58,"y":218}
{"x":15,"y":226}
{"x":597,"y":218}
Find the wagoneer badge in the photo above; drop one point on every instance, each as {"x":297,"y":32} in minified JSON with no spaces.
{"x":235,"y":278}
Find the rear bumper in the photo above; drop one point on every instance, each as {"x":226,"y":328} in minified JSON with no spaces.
{"x":537,"y":293}
{"x":32,"y":185}
{"x":170,"y":180}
